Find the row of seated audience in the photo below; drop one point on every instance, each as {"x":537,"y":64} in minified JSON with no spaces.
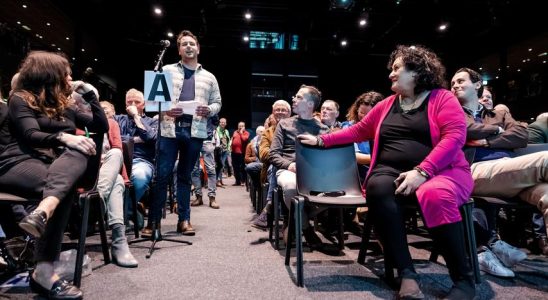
{"x":408,"y":148}
{"x":418,"y":135}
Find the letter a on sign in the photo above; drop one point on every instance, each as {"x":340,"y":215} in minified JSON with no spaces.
{"x":158,"y":88}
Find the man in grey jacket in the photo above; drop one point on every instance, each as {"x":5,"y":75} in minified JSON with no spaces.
{"x":282,"y":150}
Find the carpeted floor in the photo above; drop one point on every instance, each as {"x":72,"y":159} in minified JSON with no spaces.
{"x":231,"y":260}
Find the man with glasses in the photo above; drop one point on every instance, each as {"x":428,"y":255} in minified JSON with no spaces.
{"x":280,"y":110}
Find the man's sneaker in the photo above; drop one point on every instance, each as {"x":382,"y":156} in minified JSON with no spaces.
{"x":489,"y":263}
{"x":508,"y":255}
{"x":261,"y":221}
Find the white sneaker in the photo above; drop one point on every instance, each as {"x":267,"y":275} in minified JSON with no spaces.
{"x":508,"y":255}
{"x":489,"y":263}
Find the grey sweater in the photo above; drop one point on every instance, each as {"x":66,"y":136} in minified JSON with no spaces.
{"x":282,"y":150}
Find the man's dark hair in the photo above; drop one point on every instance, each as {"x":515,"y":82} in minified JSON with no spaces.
{"x":474,"y":77}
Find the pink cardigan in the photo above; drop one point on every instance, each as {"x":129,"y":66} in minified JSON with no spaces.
{"x":451,"y":181}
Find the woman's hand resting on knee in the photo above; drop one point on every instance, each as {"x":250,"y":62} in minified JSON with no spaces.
{"x":408,"y":182}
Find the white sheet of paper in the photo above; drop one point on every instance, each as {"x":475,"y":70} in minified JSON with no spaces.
{"x":189,"y":107}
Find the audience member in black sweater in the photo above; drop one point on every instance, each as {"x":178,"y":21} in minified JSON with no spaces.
{"x":46,"y":159}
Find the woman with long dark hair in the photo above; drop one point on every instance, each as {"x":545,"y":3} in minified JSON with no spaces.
{"x":45,"y":159}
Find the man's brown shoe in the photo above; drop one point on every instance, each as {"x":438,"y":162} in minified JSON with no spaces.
{"x":197,"y":202}
{"x":213,"y":203}
{"x":147,"y":231}
{"x":185,"y":228}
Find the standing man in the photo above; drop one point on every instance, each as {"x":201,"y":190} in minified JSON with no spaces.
{"x":240,"y":138}
{"x":208,"y":148}
{"x":222,"y":150}
{"x":184,"y":131}
{"x":143,"y":130}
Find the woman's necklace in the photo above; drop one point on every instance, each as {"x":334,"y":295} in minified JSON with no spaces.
{"x":404,"y":110}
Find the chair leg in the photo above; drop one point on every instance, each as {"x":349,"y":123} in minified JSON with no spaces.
{"x":299,"y":201}
{"x":133,"y":199}
{"x":341,"y":228}
{"x":366,"y":236}
{"x":103,"y":230}
{"x":290,"y":222}
{"x":81,"y":242}
{"x":276,"y":208}
{"x":470,"y":238}
{"x":260,"y":200}
{"x":434,"y":255}
{"x":388,"y":270}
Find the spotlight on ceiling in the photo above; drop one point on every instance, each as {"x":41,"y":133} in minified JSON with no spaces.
{"x":342,"y":4}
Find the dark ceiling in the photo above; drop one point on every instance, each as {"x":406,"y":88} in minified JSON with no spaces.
{"x":123,"y":36}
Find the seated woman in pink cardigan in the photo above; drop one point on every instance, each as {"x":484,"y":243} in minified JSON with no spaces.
{"x":419,"y":132}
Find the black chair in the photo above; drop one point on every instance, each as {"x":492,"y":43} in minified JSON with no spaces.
{"x":325,"y":178}
{"x":469,"y":237}
{"x":279,"y":212}
{"x":127,"y":147}
{"x":85,"y":194}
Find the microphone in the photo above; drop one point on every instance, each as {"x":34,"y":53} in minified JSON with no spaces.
{"x":165,"y":43}
{"x":88,"y":75}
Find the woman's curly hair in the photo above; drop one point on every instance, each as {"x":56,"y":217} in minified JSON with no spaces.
{"x":430,"y":71}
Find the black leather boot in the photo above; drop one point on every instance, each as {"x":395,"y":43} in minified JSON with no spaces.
{"x":449,"y":239}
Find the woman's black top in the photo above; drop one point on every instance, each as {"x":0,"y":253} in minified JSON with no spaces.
{"x":404,"y":137}
{"x":31,"y":130}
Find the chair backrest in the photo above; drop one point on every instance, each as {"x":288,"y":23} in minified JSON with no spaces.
{"x":531,"y":148}
{"x":127,"y":149}
{"x":89,"y":179}
{"x":327,"y":170}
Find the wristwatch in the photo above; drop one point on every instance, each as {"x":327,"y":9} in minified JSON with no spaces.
{"x":422,"y":172}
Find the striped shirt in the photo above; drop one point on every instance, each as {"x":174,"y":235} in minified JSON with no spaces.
{"x":206,"y":92}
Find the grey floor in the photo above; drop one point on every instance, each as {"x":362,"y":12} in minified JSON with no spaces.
{"x":230,"y":260}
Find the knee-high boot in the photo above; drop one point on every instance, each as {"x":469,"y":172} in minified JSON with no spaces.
{"x":120,"y":249}
{"x":449,"y":240}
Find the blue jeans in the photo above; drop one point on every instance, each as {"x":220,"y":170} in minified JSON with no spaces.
{"x":188,"y":149}
{"x":253,"y":169}
{"x":141,"y":175}
{"x":209,"y":162}
{"x":272,"y":182}
{"x":224,"y":163}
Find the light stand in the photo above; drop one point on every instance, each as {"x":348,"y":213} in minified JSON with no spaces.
{"x":156,"y":233}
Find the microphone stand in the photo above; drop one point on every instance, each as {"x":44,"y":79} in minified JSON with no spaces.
{"x":156,"y":235}
{"x":159,"y":62}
